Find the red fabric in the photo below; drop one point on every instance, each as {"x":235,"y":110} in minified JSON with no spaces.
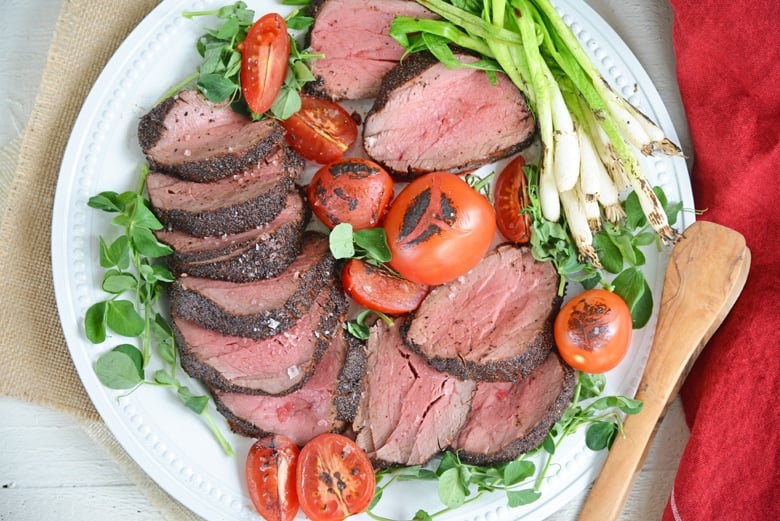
{"x":728,"y":68}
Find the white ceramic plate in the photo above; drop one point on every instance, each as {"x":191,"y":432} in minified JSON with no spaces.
{"x":170,"y":443}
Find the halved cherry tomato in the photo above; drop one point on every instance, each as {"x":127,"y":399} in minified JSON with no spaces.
{"x":264,"y":56}
{"x":593,"y":330}
{"x":438,"y":228}
{"x":510,"y":196}
{"x":335,"y":478}
{"x":321,"y":131}
{"x":270,"y":476}
{"x":380,"y":290}
{"x":355,"y":191}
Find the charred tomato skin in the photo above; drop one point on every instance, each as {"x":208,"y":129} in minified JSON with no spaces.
{"x":380,"y":290}
{"x":265,"y":53}
{"x":321,"y":131}
{"x":593,"y":330}
{"x":438,"y":228}
{"x":355,"y":191}
{"x":335,"y":478}
{"x":270,"y":476}
{"x":510,"y":196}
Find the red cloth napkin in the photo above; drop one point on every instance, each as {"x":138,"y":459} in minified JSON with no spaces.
{"x":728,"y":68}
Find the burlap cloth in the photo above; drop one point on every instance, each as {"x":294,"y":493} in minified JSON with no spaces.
{"x":37,"y":366}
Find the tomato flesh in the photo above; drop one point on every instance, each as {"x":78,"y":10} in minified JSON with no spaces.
{"x":270,"y":476}
{"x":593,"y":331}
{"x":335,"y":478}
{"x":510,"y":196}
{"x":380,"y":290}
{"x":438,"y":228}
{"x":264,"y":57}
{"x":321,"y":131}
{"x":355,"y":191}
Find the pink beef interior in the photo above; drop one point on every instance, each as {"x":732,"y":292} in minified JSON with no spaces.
{"x":250,"y":298}
{"x":489,"y":314}
{"x":168,"y":192}
{"x":353,"y":36}
{"x":185,"y":243}
{"x":302,"y":414}
{"x":444,"y":118}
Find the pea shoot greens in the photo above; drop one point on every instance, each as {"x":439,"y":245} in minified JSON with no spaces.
{"x":132,"y":272}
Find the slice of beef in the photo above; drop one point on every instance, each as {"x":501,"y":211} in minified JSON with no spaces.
{"x":409,"y":412}
{"x":276,"y":365}
{"x":354,"y":38}
{"x":429,"y":118}
{"x":189,"y":137}
{"x":259,"y":253}
{"x":231,"y":205}
{"x":508,"y":419}
{"x":260,"y":308}
{"x":494,"y":323}
{"x":311,"y":410}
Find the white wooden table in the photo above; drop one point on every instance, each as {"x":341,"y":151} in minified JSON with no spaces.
{"x":51,"y":470}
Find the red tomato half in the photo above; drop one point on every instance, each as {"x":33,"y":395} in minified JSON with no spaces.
{"x":264,"y":56}
{"x":380,"y":290}
{"x":270,"y":477}
{"x":510,"y":196}
{"x":335,"y":478}
{"x":438,"y":228}
{"x":321,"y":131}
{"x":593,"y":330}
{"x":354,"y":191}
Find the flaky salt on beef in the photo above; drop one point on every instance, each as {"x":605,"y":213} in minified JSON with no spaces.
{"x":259,"y":308}
{"x":260,"y":253}
{"x":275,"y":365}
{"x":408,"y":411}
{"x":492,"y":324}
{"x":430,"y":118}
{"x":325,"y":403}
{"x":191,"y":138}
{"x":357,"y":50}
{"x":511,"y":418}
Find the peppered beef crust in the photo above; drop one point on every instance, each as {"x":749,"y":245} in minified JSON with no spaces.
{"x":262,"y":257}
{"x":191,"y":305}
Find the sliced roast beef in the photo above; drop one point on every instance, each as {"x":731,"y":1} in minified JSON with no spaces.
{"x":231,"y":205}
{"x":494,"y":323}
{"x":409,"y":411}
{"x":508,"y":419}
{"x":357,"y":50}
{"x":311,"y":410}
{"x":260,"y":308}
{"x":276,"y":365}
{"x":259,"y":253}
{"x":189,"y":137}
{"x":428,"y":118}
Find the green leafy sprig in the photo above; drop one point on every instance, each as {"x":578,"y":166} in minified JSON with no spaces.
{"x":460,"y":483}
{"x":135,"y":282}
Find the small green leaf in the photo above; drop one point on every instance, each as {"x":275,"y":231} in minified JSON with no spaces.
{"x":287,"y":103}
{"x":358,"y":330}
{"x":643,"y":309}
{"x":372,"y":242}
{"x":591,"y":385}
{"x":167,"y":351}
{"x":517,"y":471}
{"x":422,"y":515}
{"x":143,"y":217}
{"x":632,"y":287}
{"x":116,"y":254}
{"x":609,"y":254}
{"x":122,"y":318}
{"x":549,"y":444}
{"x":165,"y":378}
{"x":119,"y":283}
{"x":216,"y":87}
{"x":193,"y":402}
{"x":95,"y":322}
{"x":147,"y":244}
{"x":106,"y":201}
{"x":600,"y":435}
{"x":516,"y":498}
{"x":452,"y":491}
{"x":340,"y":239}
{"x":118,"y":369}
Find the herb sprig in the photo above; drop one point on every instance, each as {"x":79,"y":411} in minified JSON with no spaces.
{"x":132,"y":271}
{"x":521,"y":479}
